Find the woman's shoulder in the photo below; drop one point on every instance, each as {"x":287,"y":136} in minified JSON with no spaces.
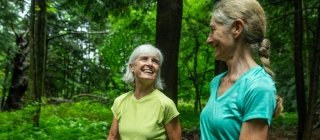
{"x":164,"y":99}
{"x":258,"y":74}
{"x":259,"y":79}
{"x":123,"y":96}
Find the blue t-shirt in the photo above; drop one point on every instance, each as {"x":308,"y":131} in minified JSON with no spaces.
{"x":252,"y":96}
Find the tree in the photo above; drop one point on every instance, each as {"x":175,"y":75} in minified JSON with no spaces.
{"x":168,"y":27}
{"x":220,"y":67}
{"x":299,"y":78}
{"x":314,"y":83}
{"x":38,"y":39}
{"x":19,"y":80}
{"x":9,"y":48}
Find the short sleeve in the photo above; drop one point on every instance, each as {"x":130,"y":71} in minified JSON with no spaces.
{"x":115,"y":108}
{"x":170,"y":111}
{"x":260,"y":100}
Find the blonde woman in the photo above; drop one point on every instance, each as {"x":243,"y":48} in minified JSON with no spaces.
{"x":242,"y":99}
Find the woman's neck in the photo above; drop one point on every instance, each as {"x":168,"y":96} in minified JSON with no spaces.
{"x":141,"y":91}
{"x":239,"y":64}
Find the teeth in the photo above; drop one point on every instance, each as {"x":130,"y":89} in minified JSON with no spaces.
{"x":147,"y":71}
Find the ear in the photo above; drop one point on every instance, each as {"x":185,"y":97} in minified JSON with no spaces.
{"x":237,"y":27}
{"x":131,"y":67}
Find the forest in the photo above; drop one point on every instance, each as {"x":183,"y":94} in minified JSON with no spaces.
{"x":61,"y":63}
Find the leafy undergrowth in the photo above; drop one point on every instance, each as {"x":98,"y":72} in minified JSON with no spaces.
{"x":68,"y":121}
{"x":285,"y":120}
{"x":284,"y":127}
{"x":189,"y":118}
{"x":74,"y":121}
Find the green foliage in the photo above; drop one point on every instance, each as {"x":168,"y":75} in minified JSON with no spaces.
{"x":128,"y":30}
{"x":286,"y":120}
{"x":280,"y":17}
{"x":80,"y":120}
{"x":196,"y":61}
{"x":189,"y":120}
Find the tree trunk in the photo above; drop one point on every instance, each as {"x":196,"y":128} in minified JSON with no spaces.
{"x":219,"y":67}
{"x":299,"y":78}
{"x":195,"y":78}
{"x":314,"y":82}
{"x":169,"y":18}
{"x":19,"y":79}
{"x":38,"y":45}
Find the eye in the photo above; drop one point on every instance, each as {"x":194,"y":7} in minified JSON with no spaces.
{"x":212,"y":29}
{"x":157,"y":61}
{"x":143,"y":58}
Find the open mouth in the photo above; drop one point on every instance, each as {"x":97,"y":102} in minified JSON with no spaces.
{"x":148,"y":71}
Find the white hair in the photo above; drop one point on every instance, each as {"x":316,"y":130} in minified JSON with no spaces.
{"x":128,"y":77}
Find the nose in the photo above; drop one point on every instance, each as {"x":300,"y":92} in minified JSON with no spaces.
{"x":149,"y":62}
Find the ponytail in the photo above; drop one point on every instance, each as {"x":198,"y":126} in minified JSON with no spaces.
{"x":279,"y":107}
{"x":264,"y":54}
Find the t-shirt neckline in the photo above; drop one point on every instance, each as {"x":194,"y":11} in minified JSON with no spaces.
{"x":234,"y":85}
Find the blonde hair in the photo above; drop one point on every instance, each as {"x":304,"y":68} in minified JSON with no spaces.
{"x":251,"y":12}
{"x":279,"y":107}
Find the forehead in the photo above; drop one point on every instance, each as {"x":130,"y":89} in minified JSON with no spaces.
{"x":213,"y":22}
{"x":153,"y":55}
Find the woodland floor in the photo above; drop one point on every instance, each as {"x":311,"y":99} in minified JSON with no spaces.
{"x":275,"y":134}
{"x":281,"y":134}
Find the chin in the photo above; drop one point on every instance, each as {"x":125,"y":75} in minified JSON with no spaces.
{"x":217,"y":57}
{"x":148,"y":78}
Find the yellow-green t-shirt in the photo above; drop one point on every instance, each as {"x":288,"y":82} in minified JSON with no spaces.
{"x":145,"y":118}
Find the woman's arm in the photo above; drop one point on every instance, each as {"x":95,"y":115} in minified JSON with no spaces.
{"x":113,"y":133}
{"x":173,"y":129}
{"x":256,"y":129}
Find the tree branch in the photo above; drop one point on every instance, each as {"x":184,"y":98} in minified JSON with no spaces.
{"x":69,"y":33}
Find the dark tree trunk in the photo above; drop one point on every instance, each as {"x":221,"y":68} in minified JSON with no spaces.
{"x":299,"y":78}
{"x":314,"y":82}
{"x":220,"y":67}
{"x":19,"y":79}
{"x":195,"y":77}
{"x":169,"y":18}
{"x":38,"y":43}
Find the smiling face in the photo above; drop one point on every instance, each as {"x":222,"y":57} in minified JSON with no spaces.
{"x":221,"y":38}
{"x":145,"y":69}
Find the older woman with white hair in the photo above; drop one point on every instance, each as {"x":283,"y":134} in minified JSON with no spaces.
{"x":145,"y":112}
